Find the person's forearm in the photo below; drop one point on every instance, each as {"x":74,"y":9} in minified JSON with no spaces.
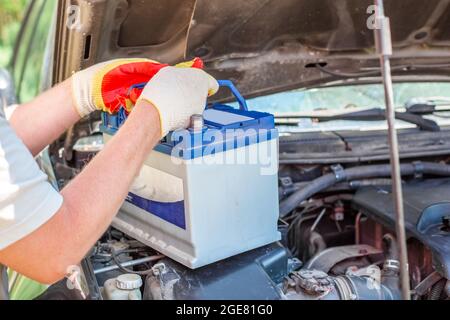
{"x":96,"y":195}
{"x":43,"y":120}
{"x":91,"y":201}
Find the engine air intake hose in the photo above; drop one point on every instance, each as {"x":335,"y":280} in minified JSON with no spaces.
{"x":356,"y":173}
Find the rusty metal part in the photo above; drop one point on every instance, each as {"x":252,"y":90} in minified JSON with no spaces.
{"x":160,"y":285}
{"x":437,"y":290}
{"x":423,"y":287}
{"x":313,"y":282}
{"x":420,"y":257}
{"x":327,"y":259}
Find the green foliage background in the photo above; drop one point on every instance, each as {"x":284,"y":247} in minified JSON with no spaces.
{"x":11,"y":13}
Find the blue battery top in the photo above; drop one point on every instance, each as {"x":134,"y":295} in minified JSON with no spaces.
{"x":225,"y":129}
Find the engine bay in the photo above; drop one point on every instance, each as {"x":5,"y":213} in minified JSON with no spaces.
{"x":336,"y":221}
{"x":338,"y":243}
{"x":323,"y":224}
{"x":334,"y":247}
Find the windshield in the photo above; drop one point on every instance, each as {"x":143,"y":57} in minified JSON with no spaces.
{"x":347,"y":98}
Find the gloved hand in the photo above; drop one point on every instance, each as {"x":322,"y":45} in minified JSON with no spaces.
{"x":177,"y":94}
{"x":105,"y":86}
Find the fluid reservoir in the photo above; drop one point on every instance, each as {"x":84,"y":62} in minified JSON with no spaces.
{"x":124,"y":287}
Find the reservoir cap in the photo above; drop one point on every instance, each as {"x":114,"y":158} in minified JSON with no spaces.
{"x":129,"y":281}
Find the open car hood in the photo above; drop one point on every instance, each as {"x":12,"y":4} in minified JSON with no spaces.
{"x":264,"y":46}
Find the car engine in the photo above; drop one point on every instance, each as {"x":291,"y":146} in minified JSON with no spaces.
{"x":322,"y":226}
{"x":336,"y":221}
{"x":338,"y":244}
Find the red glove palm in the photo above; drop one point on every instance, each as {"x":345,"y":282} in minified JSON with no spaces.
{"x":106,"y":86}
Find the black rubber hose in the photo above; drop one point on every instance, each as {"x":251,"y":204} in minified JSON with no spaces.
{"x":364,"y":172}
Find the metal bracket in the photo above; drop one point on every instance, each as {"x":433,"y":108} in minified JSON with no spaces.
{"x":418,"y":169}
{"x":339,"y":172}
{"x":383,"y":38}
{"x":383,"y":41}
{"x":286,"y":182}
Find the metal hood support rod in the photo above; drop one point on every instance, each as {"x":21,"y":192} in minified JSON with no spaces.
{"x":384,"y":48}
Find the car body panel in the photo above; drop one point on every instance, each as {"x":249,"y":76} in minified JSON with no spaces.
{"x":263,"y":46}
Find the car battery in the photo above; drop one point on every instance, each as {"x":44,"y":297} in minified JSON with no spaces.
{"x":209,"y":192}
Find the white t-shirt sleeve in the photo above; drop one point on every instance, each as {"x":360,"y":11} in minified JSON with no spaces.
{"x":27,"y":200}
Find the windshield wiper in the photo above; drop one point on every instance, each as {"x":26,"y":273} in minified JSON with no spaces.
{"x":374,"y":114}
{"x":426,"y":108}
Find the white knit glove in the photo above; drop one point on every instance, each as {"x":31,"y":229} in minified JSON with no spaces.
{"x":177,"y":94}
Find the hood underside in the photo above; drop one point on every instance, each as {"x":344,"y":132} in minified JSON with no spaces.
{"x":264,"y":46}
